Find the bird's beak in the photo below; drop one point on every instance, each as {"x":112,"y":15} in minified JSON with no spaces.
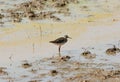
{"x":70,"y":37}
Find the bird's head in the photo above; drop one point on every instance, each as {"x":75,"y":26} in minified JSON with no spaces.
{"x":66,"y":36}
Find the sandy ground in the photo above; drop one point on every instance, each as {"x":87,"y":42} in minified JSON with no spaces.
{"x":27,"y":55}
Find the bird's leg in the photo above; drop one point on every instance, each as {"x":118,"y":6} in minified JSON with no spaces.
{"x":59,"y":50}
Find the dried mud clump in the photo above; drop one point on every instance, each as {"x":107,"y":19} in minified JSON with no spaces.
{"x":63,"y":3}
{"x":88,"y":55}
{"x":1,"y":16}
{"x":16,"y":17}
{"x":53,"y":72}
{"x":65,"y":58}
{"x":112,"y":51}
{"x":26,"y":65}
{"x":2,"y":71}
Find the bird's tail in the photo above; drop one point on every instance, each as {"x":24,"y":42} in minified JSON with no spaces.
{"x":51,"y":41}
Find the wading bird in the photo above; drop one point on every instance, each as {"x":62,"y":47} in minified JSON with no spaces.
{"x":60,"y":41}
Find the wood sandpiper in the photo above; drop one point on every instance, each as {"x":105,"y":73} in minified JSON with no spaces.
{"x":60,"y":41}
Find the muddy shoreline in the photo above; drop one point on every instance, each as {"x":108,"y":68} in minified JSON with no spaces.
{"x":59,"y":69}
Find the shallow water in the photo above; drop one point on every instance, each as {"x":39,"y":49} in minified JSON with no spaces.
{"x":17,"y":35}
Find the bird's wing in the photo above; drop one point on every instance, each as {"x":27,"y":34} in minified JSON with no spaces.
{"x":59,"y":40}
